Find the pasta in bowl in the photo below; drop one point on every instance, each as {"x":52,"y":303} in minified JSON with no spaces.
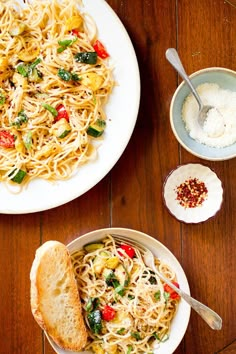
{"x":126,"y":307}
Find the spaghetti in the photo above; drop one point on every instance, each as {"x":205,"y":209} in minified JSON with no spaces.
{"x":127,"y":308}
{"x":54,"y":82}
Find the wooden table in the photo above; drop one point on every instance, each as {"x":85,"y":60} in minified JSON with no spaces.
{"x":204,"y":32}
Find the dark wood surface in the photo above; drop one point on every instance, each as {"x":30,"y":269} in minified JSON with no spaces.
{"x":204,"y":32}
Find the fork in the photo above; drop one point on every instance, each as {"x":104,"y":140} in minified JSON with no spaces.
{"x":208,"y":315}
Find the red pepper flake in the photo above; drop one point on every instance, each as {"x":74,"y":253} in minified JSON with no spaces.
{"x":191,"y":193}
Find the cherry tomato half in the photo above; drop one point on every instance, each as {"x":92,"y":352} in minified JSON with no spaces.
{"x":128,"y":250}
{"x":108,"y":313}
{"x":62,"y":112}
{"x":168,"y":289}
{"x":7,"y":140}
{"x":100,"y":49}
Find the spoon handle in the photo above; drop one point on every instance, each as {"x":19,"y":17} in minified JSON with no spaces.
{"x":207,"y":314}
{"x":174,"y":59}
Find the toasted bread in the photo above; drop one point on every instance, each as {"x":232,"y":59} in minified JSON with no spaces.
{"x":55,"y":301}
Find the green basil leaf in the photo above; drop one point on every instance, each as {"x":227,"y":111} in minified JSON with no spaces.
{"x":64,"y":74}
{"x":86,"y":57}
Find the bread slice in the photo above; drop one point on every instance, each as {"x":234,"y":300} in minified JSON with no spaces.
{"x":55,"y":301}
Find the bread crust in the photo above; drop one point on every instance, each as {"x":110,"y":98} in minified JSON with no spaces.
{"x":54,"y":297}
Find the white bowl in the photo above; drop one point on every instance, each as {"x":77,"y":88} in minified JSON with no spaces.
{"x":210,"y":206}
{"x":181,"y":319}
{"x":226,"y":79}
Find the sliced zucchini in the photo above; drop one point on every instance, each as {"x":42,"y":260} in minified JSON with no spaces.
{"x":19,"y":176}
{"x":97,"y":129}
{"x":61,"y":128}
{"x":93,"y":247}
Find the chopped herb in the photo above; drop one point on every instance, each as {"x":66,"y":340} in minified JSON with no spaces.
{"x":51,"y":109}
{"x":92,"y":304}
{"x":26,"y":69}
{"x":35,"y":63}
{"x":131,"y":297}
{"x":157,"y":295}
{"x":120,"y":290}
{"x":23,"y":70}
{"x":21,"y":118}
{"x":121,"y":331}
{"x":2,"y":98}
{"x":130,"y":348}
{"x":74,"y":77}
{"x":163,"y":339}
{"x":166,"y":296}
{"x":86,"y":57}
{"x":136,"y":335}
{"x":65,"y":43}
{"x":152,"y":280}
{"x":95,"y":321}
{"x":66,"y":75}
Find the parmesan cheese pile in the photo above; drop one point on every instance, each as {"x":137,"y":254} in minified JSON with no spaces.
{"x":224,"y":103}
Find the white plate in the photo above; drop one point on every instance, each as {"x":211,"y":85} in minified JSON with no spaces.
{"x":122,"y":110}
{"x":209,"y":207}
{"x":181,"y":319}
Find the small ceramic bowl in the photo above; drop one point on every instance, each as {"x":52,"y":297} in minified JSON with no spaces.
{"x":226,"y":79}
{"x":193,"y":193}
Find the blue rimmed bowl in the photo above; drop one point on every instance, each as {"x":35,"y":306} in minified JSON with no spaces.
{"x":226,"y":79}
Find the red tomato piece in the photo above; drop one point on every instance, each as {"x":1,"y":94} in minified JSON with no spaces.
{"x":7,"y":140}
{"x":168,"y":289}
{"x":128,"y":250}
{"x":75,"y":32}
{"x":108,"y":313}
{"x":100,"y":49}
{"x":62,"y":112}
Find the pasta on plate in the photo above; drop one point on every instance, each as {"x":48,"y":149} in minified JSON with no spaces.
{"x":54,"y":82}
{"x":126,"y":306}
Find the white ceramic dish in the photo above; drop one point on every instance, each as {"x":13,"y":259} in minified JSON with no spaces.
{"x":180,"y":322}
{"x":122,"y":110}
{"x":209,"y":207}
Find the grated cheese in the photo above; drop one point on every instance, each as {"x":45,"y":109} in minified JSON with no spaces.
{"x":213,"y":133}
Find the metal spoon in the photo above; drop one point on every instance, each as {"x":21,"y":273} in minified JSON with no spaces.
{"x":208,"y":315}
{"x":174,"y":59}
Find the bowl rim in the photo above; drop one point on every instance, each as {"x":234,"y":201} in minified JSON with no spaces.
{"x":164,"y":200}
{"x":197,"y":73}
